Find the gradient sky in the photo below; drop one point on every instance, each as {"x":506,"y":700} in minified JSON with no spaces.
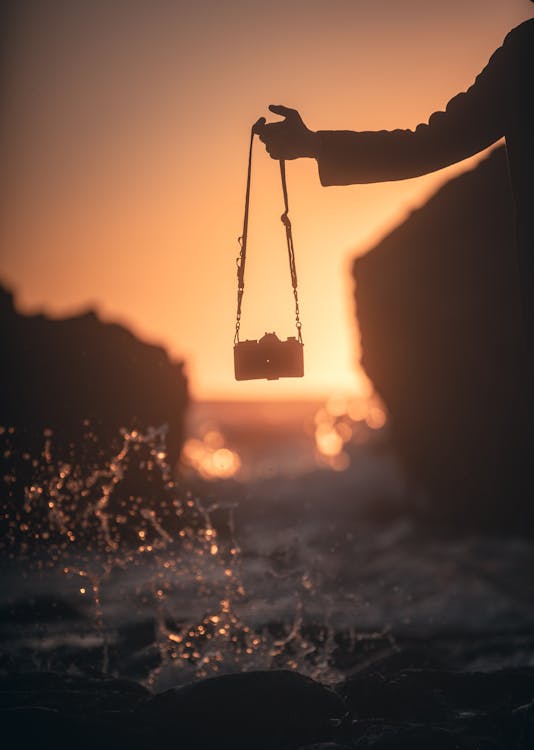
{"x":123,"y":143}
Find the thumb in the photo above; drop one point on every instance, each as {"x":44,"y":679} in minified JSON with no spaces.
{"x":279,"y":109}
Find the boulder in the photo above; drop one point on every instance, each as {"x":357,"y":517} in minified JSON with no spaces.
{"x":273,"y":710}
{"x":413,"y":738}
{"x":439,"y":313}
{"x":70,"y":374}
{"x":427,"y":696}
{"x":86,"y":409}
{"x":51,"y":710}
{"x":75,"y":694}
{"x":280,"y":708}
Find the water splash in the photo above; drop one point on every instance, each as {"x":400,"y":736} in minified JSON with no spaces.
{"x":89,"y":521}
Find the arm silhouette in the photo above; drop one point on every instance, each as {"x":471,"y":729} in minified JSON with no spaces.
{"x":471,"y":122}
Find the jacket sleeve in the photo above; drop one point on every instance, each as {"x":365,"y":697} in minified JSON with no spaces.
{"x":471,"y":122}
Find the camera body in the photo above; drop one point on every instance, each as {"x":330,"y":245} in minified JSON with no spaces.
{"x":269,"y":358}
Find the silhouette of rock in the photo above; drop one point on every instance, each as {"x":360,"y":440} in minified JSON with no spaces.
{"x":271,"y":710}
{"x":63,"y":374}
{"x":439,"y":313}
{"x":62,"y":692}
{"x":273,"y":705}
{"x":427,"y":696}
{"x":70,"y":390}
{"x":51,"y":710}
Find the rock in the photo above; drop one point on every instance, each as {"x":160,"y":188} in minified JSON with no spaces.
{"x":34,"y":727}
{"x":427,"y":696}
{"x":409,"y":738}
{"x":439,"y":315}
{"x":74,"y":693}
{"x":71,"y":389}
{"x":427,"y":656}
{"x":400,"y":696}
{"x":506,"y":689}
{"x":60,"y":373}
{"x":280,"y":708}
{"x":49,"y":710}
{"x":273,"y":710}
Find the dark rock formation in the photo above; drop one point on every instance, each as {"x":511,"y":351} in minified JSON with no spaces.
{"x":50,"y":710}
{"x":440,"y":320}
{"x":272,"y":707}
{"x":272,"y":711}
{"x":60,"y":374}
{"x":78,"y":455}
{"x":428,"y":696}
{"x":76,"y":694}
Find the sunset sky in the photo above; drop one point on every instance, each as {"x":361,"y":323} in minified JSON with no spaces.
{"x":124,"y":140}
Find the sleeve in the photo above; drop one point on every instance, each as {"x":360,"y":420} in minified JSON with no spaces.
{"x":471,"y":122}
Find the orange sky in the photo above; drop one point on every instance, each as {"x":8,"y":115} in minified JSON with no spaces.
{"x":123,"y":143}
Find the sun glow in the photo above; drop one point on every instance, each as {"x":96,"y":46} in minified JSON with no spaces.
{"x":210,"y":459}
{"x":124,"y":197}
{"x":344,"y":420}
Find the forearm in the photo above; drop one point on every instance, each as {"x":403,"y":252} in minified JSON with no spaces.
{"x":471,"y":122}
{"x":346,"y":157}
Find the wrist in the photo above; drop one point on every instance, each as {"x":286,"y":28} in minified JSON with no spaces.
{"x":311,"y":145}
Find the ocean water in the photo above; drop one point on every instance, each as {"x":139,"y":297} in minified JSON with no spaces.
{"x":278,"y":545}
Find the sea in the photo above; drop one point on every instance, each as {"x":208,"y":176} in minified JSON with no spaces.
{"x":292,"y":545}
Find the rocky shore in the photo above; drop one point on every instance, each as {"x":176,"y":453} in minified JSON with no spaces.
{"x":438,"y":306}
{"x":376,"y":709}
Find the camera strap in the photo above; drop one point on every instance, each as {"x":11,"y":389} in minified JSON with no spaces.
{"x":242,"y":259}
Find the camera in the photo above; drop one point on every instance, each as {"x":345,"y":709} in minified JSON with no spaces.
{"x":269,"y":358}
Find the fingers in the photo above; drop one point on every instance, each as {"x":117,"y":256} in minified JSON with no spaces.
{"x":258,"y":126}
{"x":272,"y":134}
{"x":275,"y":140}
{"x":282,"y":139}
{"x":279,"y":109}
{"x":278,"y":154}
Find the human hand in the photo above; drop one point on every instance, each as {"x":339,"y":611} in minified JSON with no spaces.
{"x":288,"y":139}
